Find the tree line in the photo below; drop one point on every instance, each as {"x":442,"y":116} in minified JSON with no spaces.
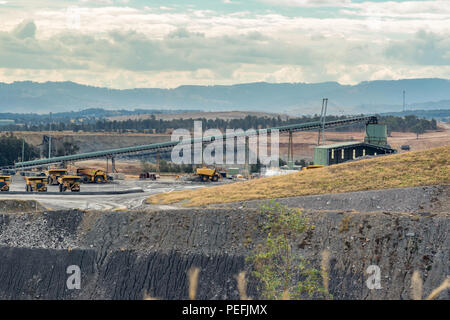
{"x":409,"y":123}
{"x":11,"y":149}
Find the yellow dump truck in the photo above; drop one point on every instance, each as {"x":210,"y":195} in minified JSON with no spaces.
{"x":71,"y":183}
{"x":313,"y":166}
{"x":5,"y":181}
{"x":34,"y":184}
{"x":90,"y":175}
{"x":208,"y":174}
{"x":54,"y":174}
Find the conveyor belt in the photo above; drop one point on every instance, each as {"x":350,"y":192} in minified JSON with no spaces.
{"x":168,"y":145}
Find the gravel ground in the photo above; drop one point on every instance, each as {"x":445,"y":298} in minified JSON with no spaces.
{"x":432,"y":199}
{"x":70,"y":201}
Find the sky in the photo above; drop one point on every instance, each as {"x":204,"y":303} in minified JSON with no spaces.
{"x":164,"y":44}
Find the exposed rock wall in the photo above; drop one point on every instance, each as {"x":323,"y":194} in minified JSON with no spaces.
{"x":123,"y":255}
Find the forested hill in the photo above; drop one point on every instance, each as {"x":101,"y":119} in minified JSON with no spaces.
{"x":294,"y":98}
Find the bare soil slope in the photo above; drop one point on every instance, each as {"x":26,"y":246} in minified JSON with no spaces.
{"x":420,"y":168}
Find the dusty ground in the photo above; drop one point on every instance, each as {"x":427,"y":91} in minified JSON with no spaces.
{"x":96,"y":202}
{"x":304,"y":142}
{"x":128,"y":167}
{"x":424,"y":201}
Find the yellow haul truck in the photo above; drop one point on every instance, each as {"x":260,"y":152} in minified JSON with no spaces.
{"x":54,"y":174}
{"x":71,"y":183}
{"x":38,"y":184}
{"x":5,"y":181}
{"x":89,"y":175}
{"x":313,"y":166}
{"x":207,"y":174}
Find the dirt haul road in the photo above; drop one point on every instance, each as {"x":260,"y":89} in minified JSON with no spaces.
{"x":99,"y":201}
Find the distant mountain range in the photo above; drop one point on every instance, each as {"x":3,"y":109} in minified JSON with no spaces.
{"x":293,"y":98}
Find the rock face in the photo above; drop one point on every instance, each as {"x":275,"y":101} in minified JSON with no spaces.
{"x":125,"y":255}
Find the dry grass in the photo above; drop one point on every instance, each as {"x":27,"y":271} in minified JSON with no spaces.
{"x":325,"y":269}
{"x":430,"y":167}
{"x":242,"y":285}
{"x":444,"y":286}
{"x":193,"y":282}
{"x":149,"y":297}
{"x":286,"y":295}
{"x":416,"y":286}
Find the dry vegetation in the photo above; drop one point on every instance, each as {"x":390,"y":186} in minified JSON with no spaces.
{"x":430,"y":167}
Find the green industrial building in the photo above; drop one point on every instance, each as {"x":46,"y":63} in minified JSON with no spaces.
{"x":376,"y":134}
{"x":375,"y":143}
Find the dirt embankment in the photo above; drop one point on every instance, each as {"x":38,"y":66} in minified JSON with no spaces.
{"x":20,"y":206}
{"x":90,"y":142}
{"x":420,"y":168}
{"x":123,"y":255}
{"x":304,"y":142}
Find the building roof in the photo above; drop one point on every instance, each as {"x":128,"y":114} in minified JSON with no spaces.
{"x":351,"y":144}
{"x":338,"y":145}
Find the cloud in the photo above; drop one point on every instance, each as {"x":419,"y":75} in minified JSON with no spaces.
{"x":425,"y":48}
{"x":422,"y":10}
{"x":27,"y":29}
{"x":230,"y":58}
{"x":123,"y":46}
{"x":309,"y":3}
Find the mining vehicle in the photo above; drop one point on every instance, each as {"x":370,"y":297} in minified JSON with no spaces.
{"x":54,"y":174}
{"x":148,"y":176}
{"x":91,"y":175}
{"x":71,"y":183}
{"x":5,"y":181}
{"x":313,"y":166}
{"x":208,"y":174}
{"x":38,"y":184}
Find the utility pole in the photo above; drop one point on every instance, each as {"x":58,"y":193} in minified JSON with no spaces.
{"x":323,"y":114}
{"x":404,"y":100}
{"x":158,"y":162}
{"x":23,"y":149}
{"x":290,"y":151}
{"x":50,"y":137}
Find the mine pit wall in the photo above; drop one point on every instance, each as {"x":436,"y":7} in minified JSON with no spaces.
{"x":124,"y":255}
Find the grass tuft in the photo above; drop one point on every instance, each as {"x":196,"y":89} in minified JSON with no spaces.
{"x":242,"y":285}
{"x":193,"y":282}
{"x":444,"y":286}
{"x":325,"y":269}
{"x":416,"y":286}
